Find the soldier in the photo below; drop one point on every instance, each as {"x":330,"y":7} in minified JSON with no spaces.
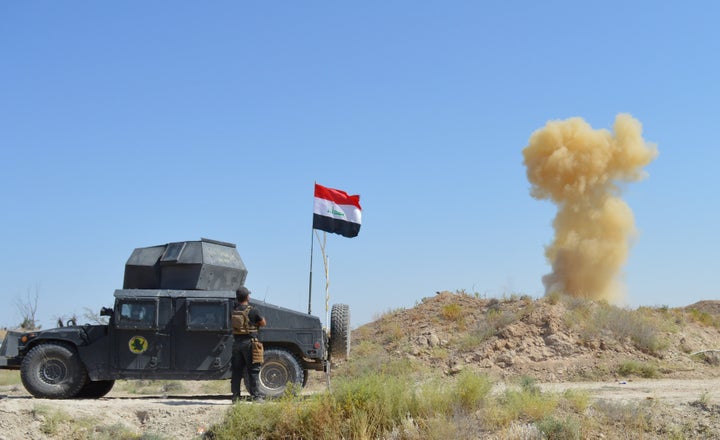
{"x":246,"y":321}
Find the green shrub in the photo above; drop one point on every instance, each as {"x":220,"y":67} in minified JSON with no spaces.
{"x":704,"y":318}
{"x":439,"y":427}
{"x":529,"y":385}
{"x":452,"y":312}
{"x":314,"y":418}
{"x":384,"y":398}
{"x":555,"y":429}
{"x":528,"y":403}
{"x":248,"y":421}
{"x":371,"y":358}
{"x":579,"y":314}
{"x":365,"y":407}
{"x":635,"y":368}
{"x":434,"y":397}
{"x":635,"y":418}
{"x":576,"y":401}
{"x":392,"y":332}
{"x":437,"y":407}
{"x":471,"y":340}
{"x":495,"y":320}
{"x":640,"y":327}
{"x":471,"y":389}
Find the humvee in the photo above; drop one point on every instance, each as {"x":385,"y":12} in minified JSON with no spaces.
{"x":171,"y":320}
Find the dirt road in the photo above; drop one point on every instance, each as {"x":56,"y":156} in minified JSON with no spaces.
{"x":671,"y":391}
{"x":24,"y":417}
{"x":188,"y":416}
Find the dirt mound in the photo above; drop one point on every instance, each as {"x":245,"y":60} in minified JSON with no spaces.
{"x":710,"y":307}
{"x":551,"y":339}
{"x":556,"y":340}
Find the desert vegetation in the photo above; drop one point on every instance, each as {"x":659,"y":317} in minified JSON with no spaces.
{"x":458,"y":365}
{"x":389,"y":405}
{"x":443,"y":369}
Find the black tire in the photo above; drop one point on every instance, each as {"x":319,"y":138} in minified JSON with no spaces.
{"x":340,"y":331}
{"x":280,"y":369}
{"x":95,"y":389}
{"x":53,"y":370}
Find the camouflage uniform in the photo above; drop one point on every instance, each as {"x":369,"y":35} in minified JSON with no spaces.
{"x":242,"y":351}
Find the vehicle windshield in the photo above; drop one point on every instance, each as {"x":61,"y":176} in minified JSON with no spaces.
{"x":137,"y":314}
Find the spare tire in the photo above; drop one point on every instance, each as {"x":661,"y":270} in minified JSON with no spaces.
{"x":340,"y":331}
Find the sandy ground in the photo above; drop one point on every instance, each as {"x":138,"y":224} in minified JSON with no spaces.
{"x":25,"y":417}
{"x":188,"y":416}
{"x":184,"y":415}
{"x":673,"y":392}
{"x":536,"y":343}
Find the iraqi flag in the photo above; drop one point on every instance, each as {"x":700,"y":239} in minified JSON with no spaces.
{"x":337,"y":212}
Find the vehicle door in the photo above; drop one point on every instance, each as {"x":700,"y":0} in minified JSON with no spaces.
{"x":204,"y":340}
{"x":141,"y":334}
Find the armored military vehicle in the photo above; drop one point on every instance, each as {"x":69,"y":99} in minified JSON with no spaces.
{"x":171,"y":320}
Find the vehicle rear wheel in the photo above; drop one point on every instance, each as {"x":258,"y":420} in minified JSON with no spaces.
{"x":280,"y":369}
{"x":53,"y":370}
{"x":94,"y":389}
{"x":340,"y":331}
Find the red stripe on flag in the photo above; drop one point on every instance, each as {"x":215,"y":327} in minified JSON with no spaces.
{"x":337,"y":196}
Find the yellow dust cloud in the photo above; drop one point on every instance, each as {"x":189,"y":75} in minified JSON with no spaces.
{"x":581,"y":169}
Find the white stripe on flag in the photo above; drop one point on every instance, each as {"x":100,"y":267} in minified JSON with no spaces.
{"x":328,"y":208}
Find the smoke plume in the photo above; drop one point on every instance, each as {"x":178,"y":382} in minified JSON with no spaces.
{"x":581,"y":170}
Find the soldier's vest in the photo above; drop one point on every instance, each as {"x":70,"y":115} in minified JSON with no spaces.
{"x":241,"y":322}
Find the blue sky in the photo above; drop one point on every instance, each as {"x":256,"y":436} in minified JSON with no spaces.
{"x":140,"y":123}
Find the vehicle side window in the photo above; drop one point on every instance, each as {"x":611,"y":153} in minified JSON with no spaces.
{"x":137,"y":315}
{"x":207,"y":315}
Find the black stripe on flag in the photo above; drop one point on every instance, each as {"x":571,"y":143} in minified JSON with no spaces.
{"x":335,"y":226}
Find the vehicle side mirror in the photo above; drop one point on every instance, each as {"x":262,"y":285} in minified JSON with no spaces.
{"x":106,"y":311}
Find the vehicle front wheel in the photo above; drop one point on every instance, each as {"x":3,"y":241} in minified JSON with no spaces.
{"x":280,"y":369}
{"x":53,"y":370}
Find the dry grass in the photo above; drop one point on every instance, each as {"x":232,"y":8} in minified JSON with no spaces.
{"x":146,"y":387}
{"x":452,"y":313}
{"x":495,"y":320}
{"x":365,"y":407}
{"x":56,"y":423}
{"x":9,"y":377}
{"x":383,"y":392}
{"x":636,"y":368}
{"x":640,"y":326}
{"x":378,"y":396}
{"x":704,"y":318}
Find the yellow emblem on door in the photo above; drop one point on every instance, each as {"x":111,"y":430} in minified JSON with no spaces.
{"x":138,"y":344}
